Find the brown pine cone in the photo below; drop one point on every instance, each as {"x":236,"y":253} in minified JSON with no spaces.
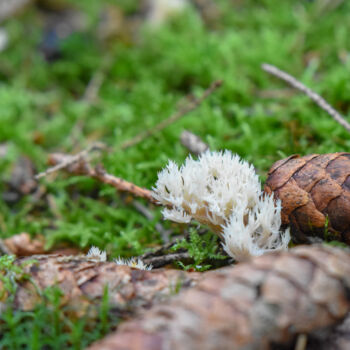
{"x":315,"y":195}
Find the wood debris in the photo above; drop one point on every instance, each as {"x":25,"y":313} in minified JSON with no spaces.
{"x":82,"y":281}
{"x":255,"y":305}
{"x":23,"y":244}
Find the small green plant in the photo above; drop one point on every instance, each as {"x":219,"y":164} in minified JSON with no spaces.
{"x":49,"y":327}
{"x":201,"y":248}
{"x":11,"y":274}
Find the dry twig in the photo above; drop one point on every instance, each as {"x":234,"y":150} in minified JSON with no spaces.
{"x":160,"y":261}
{"x":78,"y":165}
{"x":320,"y":101}
{"x":189,"y":107}
{"x":69,"y":160}
{"x":163,"y":250}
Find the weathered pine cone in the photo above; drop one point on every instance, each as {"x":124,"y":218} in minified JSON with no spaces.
{"x":315,"y":195}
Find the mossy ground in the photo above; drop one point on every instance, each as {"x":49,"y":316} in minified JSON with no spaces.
{"x":252,"y":114}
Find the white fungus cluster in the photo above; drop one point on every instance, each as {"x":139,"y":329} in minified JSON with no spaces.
{"x":96,"y":254}
{"x":133,"y":262}
{"x":224,"y":192}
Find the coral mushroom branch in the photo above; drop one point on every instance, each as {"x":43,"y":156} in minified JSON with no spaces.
{"x":223,"y":192}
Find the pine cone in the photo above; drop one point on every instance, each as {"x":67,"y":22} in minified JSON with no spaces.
{"x":315,"y":195}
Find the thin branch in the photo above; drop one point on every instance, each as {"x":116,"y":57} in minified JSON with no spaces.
{"x":189,"y":107}
{"x":100,"y":174}
{"x":160,"y":261}
{"x":79,"y":165}
{"x":162,"y":250}
{"x":70,"y":160}
{"x":320,"y":101}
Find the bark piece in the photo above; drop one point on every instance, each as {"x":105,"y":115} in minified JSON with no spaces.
{"x":82,"y":281}
{"x":23,"y":245}
{"x":315,"y":193}
{"x":256,"y":305}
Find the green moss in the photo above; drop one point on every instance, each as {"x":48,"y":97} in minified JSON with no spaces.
{"x":253,"y":114}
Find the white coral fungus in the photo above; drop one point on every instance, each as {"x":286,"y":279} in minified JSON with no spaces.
{"x":96,"y":254}
{"x":133,"y":262}
{"x":224,"y":192}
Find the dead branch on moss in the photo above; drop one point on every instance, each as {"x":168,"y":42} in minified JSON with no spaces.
{"x":269,"y":300}
{"x":81,"y":166}
{"x":82,"y":281}
{"x":320,"y":101}
{"x":160,"y":261}
{"x":192,"y":103}
{"x":163,"y":250}
{"x":67,"y":161}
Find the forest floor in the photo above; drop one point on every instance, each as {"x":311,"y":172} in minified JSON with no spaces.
{"x":112,"y":72}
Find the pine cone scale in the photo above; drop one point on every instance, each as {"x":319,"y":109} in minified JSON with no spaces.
{"x":308,"y":176}
{"x":339,"y":208}
{"x":314,"y":190}
{"x":292,"y":198}
{"x":346,"y":184}
{"x":308,"y":218}
{"x":280,"y":162}
{"x":339,"y":169}
{"x":279,"y":178}
{"x":324,"y":192}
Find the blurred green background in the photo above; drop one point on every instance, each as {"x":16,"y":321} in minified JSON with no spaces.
{"x":76,"y":72}
{"x":73,"y":73}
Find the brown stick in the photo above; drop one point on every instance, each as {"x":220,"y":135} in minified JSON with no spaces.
{"x":270,"y":300}
{"x":160,"y":261}
{"x":189,"y":107}
{"x":320,"y":101}
{"x":69,"y":160}
{"x":79,"y":166}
